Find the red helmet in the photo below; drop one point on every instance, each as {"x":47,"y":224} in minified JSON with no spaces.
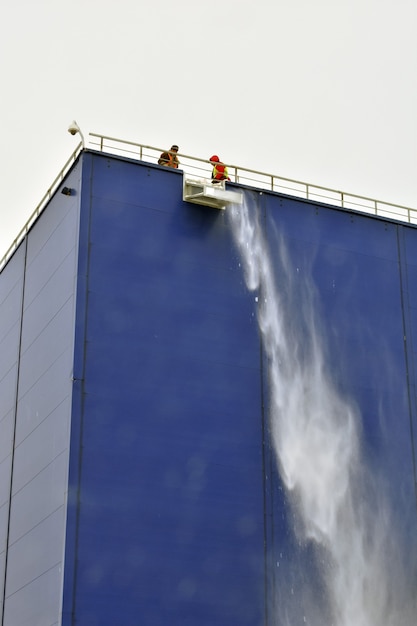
{"x":215,"y":158}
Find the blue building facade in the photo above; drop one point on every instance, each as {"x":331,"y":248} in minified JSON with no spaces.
{"x":139,"y":479}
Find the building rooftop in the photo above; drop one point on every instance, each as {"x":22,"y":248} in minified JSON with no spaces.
{"x":194,"y":166}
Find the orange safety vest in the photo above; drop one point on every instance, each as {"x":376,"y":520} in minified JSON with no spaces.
{"x":168,"y":159}
{"x":173,"y":161}
{"x":220,"y":172}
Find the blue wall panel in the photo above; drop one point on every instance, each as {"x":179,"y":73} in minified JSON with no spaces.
{"x":11,"y":298}
{"x":179,"y":511}
{"x":357,"y":271}
{"x":176,"y":511}
{"x":171,"y":480}
{"x":41,"y":413}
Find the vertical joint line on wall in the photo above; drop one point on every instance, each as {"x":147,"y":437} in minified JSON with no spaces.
{"x":265,"y":516}
{"x":408,"y":366}
{"x":265,"y":464}
{"x":82,"y":404}
{"x":6,"y":558}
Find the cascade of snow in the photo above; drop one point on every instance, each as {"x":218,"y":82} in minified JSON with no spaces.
{"x":338,"y":510}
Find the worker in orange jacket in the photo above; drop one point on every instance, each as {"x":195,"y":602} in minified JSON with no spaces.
{"x":219,"y":172}
{"x":169,"y":159}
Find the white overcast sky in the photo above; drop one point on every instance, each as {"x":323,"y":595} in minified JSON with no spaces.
{"x":316,"y":90}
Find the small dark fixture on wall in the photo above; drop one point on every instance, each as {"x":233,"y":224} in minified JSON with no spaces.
{"x":67,"y":191}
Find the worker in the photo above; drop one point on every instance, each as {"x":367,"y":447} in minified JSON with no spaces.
{"x":219,"y":172}
{"x":169,"y":159}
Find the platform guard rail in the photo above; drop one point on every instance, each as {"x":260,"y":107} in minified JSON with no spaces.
{"x":194,"y":166}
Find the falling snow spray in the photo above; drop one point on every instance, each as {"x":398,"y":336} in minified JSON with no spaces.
{"x":337,"y":505}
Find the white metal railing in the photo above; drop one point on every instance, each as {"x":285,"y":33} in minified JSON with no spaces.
{"x":253,"y":178}
{"x":242,"y":175}
{"x":40,"y":207}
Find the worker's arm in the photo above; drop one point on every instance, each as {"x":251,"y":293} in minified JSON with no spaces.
{"x":163,"y":159}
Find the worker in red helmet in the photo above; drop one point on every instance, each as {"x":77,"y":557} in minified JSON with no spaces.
{"x":219,"y":172}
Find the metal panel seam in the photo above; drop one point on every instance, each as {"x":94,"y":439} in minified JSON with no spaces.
{"x":76,"y":437}
{"x":403,"y":280}
{"x":14,"y":429}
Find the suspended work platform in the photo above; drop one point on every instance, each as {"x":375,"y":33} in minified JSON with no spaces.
{"x":204,"y":191}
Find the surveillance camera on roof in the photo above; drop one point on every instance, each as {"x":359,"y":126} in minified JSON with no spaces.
{"x":73,"y":128}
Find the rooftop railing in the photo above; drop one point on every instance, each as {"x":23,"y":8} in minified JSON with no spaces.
{"x":201,"y":167}
{"x":40,"y":207}
{"x":195,"y":166}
